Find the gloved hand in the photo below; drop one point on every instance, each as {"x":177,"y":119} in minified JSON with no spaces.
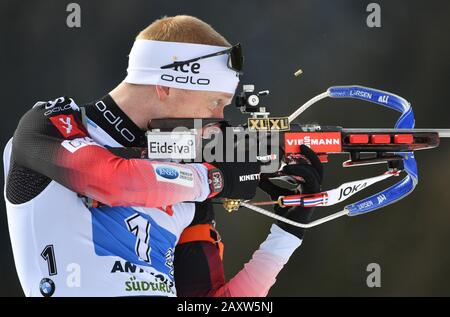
{"x":310,"y":170}
{"x":237,"y":180}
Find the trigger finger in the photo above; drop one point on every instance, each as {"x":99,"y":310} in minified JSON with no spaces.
{"x":314,"y":159}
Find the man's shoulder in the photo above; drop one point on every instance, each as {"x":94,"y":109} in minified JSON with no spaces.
{"x":45,"y":112}
{"x":57,"y":119}
{"x":56,"y":106}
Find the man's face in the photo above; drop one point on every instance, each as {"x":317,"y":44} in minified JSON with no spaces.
{"x":198,"y":104}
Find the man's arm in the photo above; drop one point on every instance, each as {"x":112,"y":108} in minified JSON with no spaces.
{"x":57,"y":145}
{"x":199,"y":268}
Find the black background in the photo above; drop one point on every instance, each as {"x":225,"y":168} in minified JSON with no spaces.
{"x":41,"y":59}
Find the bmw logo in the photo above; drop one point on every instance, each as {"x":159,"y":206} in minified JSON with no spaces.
{"x":47,"y":287}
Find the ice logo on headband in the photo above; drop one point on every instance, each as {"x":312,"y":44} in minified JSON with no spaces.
{"x":186,"y":68}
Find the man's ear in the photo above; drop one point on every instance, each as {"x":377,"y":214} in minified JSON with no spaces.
{"x":162,"y":92}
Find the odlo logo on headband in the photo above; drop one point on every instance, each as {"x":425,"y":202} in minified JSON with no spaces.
{"x":187,"y":68}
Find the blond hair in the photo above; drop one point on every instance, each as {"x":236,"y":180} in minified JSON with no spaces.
{"x":182,"y":28}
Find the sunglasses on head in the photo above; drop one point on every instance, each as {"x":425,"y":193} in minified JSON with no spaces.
{"x":235,"y":59}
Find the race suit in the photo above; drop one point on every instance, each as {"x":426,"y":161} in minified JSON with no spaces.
{"x":59,"y":154}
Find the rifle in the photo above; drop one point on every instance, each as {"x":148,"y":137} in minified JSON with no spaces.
{"x":394,"y":147}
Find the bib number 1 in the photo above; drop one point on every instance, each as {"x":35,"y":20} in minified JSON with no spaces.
{"x":48,"y":254}
{"x":140,"y":227}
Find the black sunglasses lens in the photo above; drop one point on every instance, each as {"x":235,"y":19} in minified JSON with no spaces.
{"x":235,"y":59}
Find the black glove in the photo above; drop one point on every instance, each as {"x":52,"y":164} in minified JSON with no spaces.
{"x":237,"y":180}
{"x":310,"y":170}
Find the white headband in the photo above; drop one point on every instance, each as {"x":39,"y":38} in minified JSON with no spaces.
{"x":211,"y":74}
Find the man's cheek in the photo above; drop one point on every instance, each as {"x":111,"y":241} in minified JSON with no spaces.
{"x":218,"y":113}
